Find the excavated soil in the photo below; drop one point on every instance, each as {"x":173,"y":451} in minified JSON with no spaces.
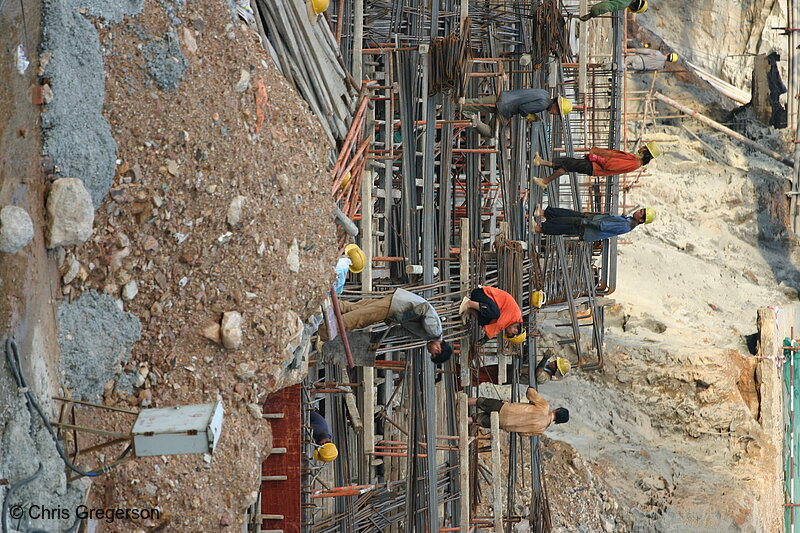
{"x":183,"y":156}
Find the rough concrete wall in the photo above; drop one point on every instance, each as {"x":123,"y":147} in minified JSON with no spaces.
{"x":714,"y":33}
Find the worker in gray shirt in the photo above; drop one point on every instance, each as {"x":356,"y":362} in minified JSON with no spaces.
{"x":648,"y":60}
{"x":412,"y":312}
{"x":523,"y":102}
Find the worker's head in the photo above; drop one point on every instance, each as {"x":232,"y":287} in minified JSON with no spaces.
{"x":672,"y":57}
{"x":644,"y":215}
{"x":561,"y":366}
{"x":515,"y":334}
{"x":638,"y":6}
{"x":440,"y":351}
{"x":327,"y":452}
{"x":560,"y":106}
{"x":561,"y":415}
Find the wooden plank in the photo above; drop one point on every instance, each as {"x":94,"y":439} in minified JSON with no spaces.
{"x":497,"y":474}
{"x":463,"y":457}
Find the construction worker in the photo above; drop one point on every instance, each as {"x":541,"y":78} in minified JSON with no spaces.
{"x":523,"y":102}
{"x":412,"y":312}
{"x":648,"y":59}
{"x":326,"y":450}
{"x":598,"y":162}
{"x":527,"y":419}
{"x":496,"y":311}
{"x":591,"y":227}
{"x":553,"y":370}
{"x":601,"y":8}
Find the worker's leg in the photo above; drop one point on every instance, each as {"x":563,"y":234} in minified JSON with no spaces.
{"x":560,"y":226}
{"x":360,"y":314}
{"x":562,"y":165}
{"x":484,"y":104}
{"x":559,"y":212}
{"x":367,"y":312}
{"x":487,"y":309}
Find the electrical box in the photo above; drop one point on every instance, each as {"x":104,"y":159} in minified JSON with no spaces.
{"x":177,"y":430}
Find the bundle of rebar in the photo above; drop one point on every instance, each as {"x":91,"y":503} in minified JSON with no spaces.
{"x":306,"y":52}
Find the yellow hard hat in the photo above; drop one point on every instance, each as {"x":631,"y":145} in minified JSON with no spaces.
{"x":654,"y":148}
{"x":357,"y":258}
{"x":327,"y":452}
{"x":319,"y":6}
{"x":538,"y":299}
{"x":649,"y":215}
{"x":564,"y":105}
{"x":519,"y":338}
{"x":563,"y":365}
{"x":672,"y":57}
{"x":345,"y":181}
{"x":638,"y":6}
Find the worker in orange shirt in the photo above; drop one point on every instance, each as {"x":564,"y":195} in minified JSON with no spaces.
{"x":598,"y":162}
{"x":496,"y":311}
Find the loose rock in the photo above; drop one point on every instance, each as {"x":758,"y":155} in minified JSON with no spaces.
{"x":212,"y":333}
{"x":189,"y":41}
{"x":72,"y":271}
{"x":16,"y":229}
{"x":244,"y":81}
{"x":293,"y":259}
{"x":130,"y":290}
{"x":231,"y":330}
{"x":235,"y":210}
{"x":70,"y":213}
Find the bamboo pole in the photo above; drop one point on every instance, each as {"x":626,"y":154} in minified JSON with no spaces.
{"x":724,"y":129}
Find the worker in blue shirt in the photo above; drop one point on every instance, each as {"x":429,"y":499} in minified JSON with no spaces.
{"x":325,"y":449}
{"x":591,"y":227}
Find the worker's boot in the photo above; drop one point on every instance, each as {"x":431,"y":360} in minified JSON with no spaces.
{"x":540,"y":182}
{"x":537,"y":161}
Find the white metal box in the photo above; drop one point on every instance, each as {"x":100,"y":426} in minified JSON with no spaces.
{"x":177,"y":430}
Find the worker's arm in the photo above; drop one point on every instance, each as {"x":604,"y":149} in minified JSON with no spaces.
{"x":604,"y":152}
{"x":533,"y":396}
{"x":430,"y":320}
{"x":613,"y":224}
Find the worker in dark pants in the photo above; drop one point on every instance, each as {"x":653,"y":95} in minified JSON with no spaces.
{"x":591,"y":227}
{"x":527,"y":419}
{"x":523,"y":102}
{"x":598,"y":162}
{"x":326,"y":450}
{"x":496,"y":311}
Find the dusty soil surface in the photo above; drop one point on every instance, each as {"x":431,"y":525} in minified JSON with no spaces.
{"x":183,"y":156}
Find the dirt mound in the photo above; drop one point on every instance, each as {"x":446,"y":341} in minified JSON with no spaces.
{"x":230,"y":128}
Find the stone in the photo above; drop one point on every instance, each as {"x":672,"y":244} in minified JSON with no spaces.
{"x":212,"y":333}
{"x":246,"y":371}
{"x":235,"y":211}
{"x":255,"y":411}
{"x":189,"y":41}
{"x":72,"y":271}
{"x":16,"y":229}
{"x":293,"y":259}
{"x":70,"y":213}
{"x":145,"y":397}
{"x":231,"y":330}
{"x":130,"y":290}
{"x":244,"y":81}
{"x":283,"y":182}
{"x":172,"y":167}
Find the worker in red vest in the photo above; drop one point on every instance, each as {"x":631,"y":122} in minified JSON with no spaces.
{"x":496,"y":311}
{"x":598,"y":162}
